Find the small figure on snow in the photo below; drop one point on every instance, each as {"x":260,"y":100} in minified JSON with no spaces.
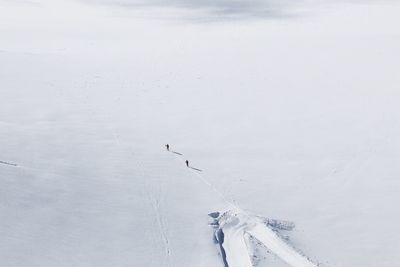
{"x":187,"y":163}
{"x":167,"y":146}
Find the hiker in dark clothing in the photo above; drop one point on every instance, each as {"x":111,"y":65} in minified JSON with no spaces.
{"x":167,"y":146}
{"x":187,"y":163}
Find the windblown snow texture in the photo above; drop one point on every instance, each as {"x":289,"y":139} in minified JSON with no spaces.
{"x":290,"y":118}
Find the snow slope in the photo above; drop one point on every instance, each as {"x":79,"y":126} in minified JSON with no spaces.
{"x":296,"y":119}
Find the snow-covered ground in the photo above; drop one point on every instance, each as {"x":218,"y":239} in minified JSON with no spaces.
{"x":236,"y":229}
{"x":292,"y":118}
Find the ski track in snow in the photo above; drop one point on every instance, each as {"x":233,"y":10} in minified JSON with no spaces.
{"x":237,"y":225}
{"x":153,"y":199}
{"x":8,"y":163}
{"x":160,"y":224}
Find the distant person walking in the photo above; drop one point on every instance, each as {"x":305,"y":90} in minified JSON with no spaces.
{"x":167,"y":146}
{"x":187,"y":163}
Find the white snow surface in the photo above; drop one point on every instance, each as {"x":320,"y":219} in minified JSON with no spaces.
{"x":237,"y":225}
{"x":292,"y":118}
